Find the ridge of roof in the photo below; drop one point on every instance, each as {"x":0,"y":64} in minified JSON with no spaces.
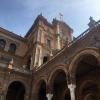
{"x":5,"y":31}
{"x":39,"y":17}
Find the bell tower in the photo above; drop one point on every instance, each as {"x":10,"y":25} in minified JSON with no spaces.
{"x":45,"y":38}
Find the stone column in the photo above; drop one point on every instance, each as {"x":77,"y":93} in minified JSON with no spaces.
{"x":26,"y":97}
{"x":34,"y":96}
{"x":2,"y":96}
{"x":72,"y":90}
{"x":49,"y":96}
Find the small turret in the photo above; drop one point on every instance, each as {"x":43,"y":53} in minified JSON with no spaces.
{"x":92,"y":22}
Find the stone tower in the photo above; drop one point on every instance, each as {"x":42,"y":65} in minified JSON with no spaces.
{"x":45,"y":39}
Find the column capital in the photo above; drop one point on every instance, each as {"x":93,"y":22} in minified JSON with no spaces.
{"x":49,"y":89}
{"x":71,"y":78}
{"x":71,"y":86}
{"x":49,"y":96}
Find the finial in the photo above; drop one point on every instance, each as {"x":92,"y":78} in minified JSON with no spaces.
{"x":92,"y":22}
{"x":61,"y":16}
{"x":40,"y":15}
{"x":91,"y":19}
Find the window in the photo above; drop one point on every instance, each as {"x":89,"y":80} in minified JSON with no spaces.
{"x":12,"y":48}
{"x":61,"y":34}
{"x":48,"y":43}
{"x":28,"y":63}
{"x":45,"y":59}
{"x":38,"y":57}
{"x":2,"y":44}
{"x":48,"y":30}
{"x":39,"y":35}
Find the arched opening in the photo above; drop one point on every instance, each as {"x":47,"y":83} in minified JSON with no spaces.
{"x":45,"y":59}
{"x":87,"y":69}
{"x":90,"y":91}
{"x":2,"y":44}
{"x":42,"y":91}
{"x":67,"y":95}
{"x":12,"y":48}
{"x":59,"y":87}
{"x":87,"y":64}
{"x":90,"y":97}
{"x":16,"y":91}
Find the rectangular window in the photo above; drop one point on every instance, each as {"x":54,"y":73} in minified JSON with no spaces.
{"x":39,"y":35}
{"x":37,"y":56}
{"x":48,"y":43}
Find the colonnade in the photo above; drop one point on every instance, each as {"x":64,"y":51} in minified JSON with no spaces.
{"x":71,"y":88}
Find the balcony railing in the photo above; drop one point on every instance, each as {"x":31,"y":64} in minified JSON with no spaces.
{"x":84,"y":33}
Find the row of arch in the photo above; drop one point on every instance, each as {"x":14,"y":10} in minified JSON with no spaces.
{"x":89,"y":90}
{"x":12,"y":47}
{"x":84,"y":73}
{"x":17,"y":91}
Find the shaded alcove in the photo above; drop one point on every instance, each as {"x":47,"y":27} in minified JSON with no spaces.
{"x":59,"y":87}
{"x":45,"y":59}
{"x":87,"y":69}
{"x":90,"y":91}
{"x":67,"y":95}
{"x":42,"y":91}
{"x":87,"y":64}
{"x":16,"y":91}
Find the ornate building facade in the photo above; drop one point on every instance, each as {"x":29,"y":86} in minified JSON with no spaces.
{"x":48,"y":64}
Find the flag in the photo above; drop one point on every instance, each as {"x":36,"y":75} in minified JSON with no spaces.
{"x":60,"y":14}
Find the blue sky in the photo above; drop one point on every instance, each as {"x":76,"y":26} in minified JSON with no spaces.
{"x":18,"y":15}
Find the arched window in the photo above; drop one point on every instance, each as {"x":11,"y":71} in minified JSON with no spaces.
{"x":2,"y":44}
{"x":16,"y":90}
{"x":45,"y":59}
{"x":12,"y":48}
